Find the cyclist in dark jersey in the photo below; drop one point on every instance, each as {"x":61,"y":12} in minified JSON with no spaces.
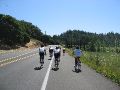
{"x":51,"y":49}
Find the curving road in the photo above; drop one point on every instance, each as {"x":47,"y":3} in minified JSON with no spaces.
{"x":22,"y":75}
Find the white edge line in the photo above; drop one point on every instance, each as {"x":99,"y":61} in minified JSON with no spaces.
{"x":44,"y":84}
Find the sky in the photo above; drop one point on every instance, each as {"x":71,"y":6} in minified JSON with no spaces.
{"x":58,"y":16}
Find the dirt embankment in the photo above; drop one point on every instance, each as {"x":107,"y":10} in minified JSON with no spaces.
{"x":32,"y":44}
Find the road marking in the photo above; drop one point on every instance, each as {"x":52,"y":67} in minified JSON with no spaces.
{"x":14,"y":50}
{"x":16,"y":56}
{"x":46,"y":76}
{"x":17,"y":60}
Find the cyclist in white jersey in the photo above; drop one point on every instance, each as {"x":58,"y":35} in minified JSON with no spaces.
{"x":56,"y":55}
{"x":42,"y":53}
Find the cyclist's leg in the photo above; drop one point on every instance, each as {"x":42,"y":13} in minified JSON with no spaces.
{"x":43,"y":58}
{"x":75,"y":63}
{"x":50,"y":53}
{"x":56,"y":60}
{"x":79,"y":65}
{"x":40,"y":59}
{"x":78,"y":62}
{"x":59,"y":57}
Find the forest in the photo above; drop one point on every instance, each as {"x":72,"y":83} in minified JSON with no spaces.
{"x":19,"y":32}
{"x":91,"y":41}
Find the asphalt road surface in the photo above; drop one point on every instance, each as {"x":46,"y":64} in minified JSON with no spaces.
{"x":24,"y":74}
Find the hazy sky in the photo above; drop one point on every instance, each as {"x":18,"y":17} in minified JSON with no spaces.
{"x":57,"y":16}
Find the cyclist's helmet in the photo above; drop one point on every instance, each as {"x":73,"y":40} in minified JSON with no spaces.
{"x":57,"y":47}
{"x":42,"y":45}
{"x":77,"y":47}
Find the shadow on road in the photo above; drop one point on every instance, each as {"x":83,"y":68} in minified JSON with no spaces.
{"x":55,"y":69}
{"x":49,"y":59}
{"x":38,"y":68}
{"x":77,"y":71}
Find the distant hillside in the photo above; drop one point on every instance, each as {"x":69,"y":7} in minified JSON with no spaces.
{"x":18,"y":32}
{"x":89,"y":41}
{"x":15,"y":32}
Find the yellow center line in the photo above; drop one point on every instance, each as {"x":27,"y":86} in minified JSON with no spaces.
{"x":15,"y":57}
{"x":17,"y":60}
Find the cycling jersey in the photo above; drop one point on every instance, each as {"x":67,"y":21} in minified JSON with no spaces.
{"x":41,"y":49}
{"x":41,"y":53}
{"x":56,"y":50}
{"x":56,"y":53}
{"x":77,"y":52}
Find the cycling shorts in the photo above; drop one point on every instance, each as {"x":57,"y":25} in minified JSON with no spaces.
{"x":56,"y":55}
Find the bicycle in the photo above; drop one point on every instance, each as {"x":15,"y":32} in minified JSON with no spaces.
{"x":41,"y":59}
{"x":77,"y":65}
{"x":56,"y":60}
{"x":51,"y":54}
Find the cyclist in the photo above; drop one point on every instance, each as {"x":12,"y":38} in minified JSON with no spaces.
{"x":63,"y":51}
{"x":45,"y":51}
{"x":41,"y":53}
{"x":59,"y":54}
{"x":51,"y":51}
{"x":77,"y":54}
{"x":56,"y":55}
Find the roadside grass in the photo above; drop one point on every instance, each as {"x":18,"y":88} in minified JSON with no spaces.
{"x":106,"y":63}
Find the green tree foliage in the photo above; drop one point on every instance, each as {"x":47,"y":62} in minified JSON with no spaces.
{"x":19,"y":32}
{"x":16,"y":32}
{"x":89,"y":41}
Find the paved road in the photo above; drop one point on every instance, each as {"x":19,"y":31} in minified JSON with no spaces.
{"x":15,"y":53}
{"x":22,"y":75}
